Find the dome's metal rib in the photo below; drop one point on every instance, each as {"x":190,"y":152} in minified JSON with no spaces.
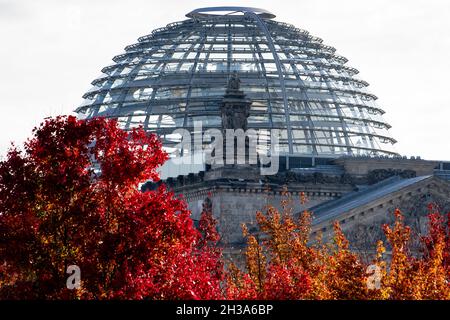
{"x":266,"y":32}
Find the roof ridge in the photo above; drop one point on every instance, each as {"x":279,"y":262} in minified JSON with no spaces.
{"x":341,"y":205}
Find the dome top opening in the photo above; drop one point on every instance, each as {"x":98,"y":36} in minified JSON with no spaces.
{"x":227,"y":11}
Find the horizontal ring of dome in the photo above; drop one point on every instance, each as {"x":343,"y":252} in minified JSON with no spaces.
{"x":221,"y":11}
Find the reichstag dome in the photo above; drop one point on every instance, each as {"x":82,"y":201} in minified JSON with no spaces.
{"x":178,"y":74}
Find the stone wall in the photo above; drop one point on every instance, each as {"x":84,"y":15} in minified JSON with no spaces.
{"x":234,"y":205}
{"x":361,"y":166}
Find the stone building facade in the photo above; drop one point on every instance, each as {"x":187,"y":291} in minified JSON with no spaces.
{"x":361,"y":198}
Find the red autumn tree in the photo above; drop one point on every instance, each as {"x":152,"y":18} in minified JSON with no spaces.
{"x":438,"y":237}
{"x":71,"y":198}
{"x":413,"y":277}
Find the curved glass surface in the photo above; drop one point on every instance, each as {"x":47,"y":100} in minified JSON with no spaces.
{"x":177,"y":75}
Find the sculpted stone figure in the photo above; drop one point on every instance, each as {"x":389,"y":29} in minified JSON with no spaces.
{"x":239,"y":119}
{"x":234,"y":83}
{"x":227,"y":119}
{"x":235,"y":107}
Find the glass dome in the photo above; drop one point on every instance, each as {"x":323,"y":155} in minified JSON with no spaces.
{"x":178,"y":75}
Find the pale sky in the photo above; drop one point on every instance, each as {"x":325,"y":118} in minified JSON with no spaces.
{"x":50,"y":51}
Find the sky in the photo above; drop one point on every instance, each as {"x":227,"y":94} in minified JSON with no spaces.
{"x":50,"y":51}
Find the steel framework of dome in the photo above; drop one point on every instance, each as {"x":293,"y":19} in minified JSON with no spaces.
{"x":178,"y":74}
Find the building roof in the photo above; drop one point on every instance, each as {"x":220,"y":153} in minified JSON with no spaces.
{"x":334,"y":208}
